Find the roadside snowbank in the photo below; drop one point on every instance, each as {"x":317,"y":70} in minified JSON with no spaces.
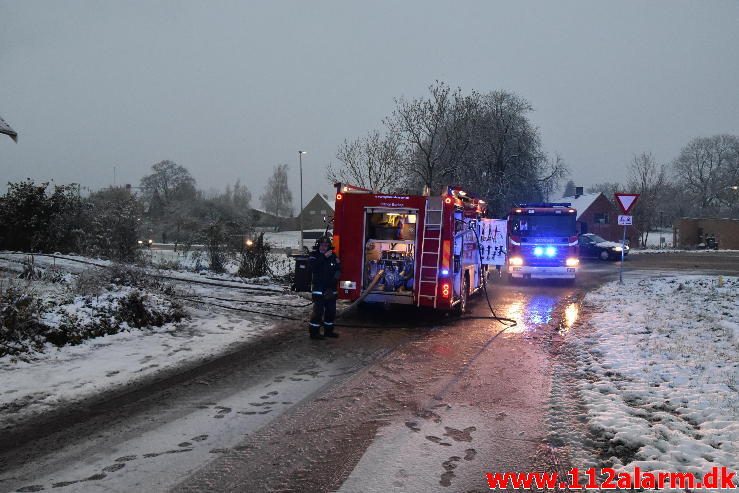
{"x":40,"y":382}
{"x":659,"y":367}
{"x":70,"y":374}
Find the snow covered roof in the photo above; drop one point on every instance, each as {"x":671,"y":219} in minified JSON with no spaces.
{"x":581,"y":203}
{"x":331,"y":203}
{"x":270,"y":213}
{"x":5,"y":129}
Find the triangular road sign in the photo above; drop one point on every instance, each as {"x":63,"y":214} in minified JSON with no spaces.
{"x":626,"y":201}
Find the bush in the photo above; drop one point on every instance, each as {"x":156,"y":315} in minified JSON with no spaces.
{"x":21,"y":329}
{"x":26,"y":324}
{"x":255,"y":259}
{"x":90,"y":283}
{"x":133,"y":310}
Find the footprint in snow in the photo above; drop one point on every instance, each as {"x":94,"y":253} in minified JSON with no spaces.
{"x":460,"y":435}
{"x":413,"y":425}
{"x":126,"y":458}
{"x":62,"y":484}
{"x":114,"y":467}
{"x":222,"y":411}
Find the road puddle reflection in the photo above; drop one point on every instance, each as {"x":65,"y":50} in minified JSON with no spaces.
{"x":571,"y":313}
{"x":530,"y":313}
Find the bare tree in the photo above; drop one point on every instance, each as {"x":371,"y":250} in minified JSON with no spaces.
{"x":277,"y":198}
{"x":375,"y":162}
{"x":648,"y":179}
{"x":169,"y":181}
{"x":241,"y":196}
{"x":708,"y":168}
{"x":430,"y":130}
{"x":482,"y":142}
{"x":504,"y":160}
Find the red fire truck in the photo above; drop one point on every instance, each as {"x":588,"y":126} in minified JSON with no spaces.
{"x":542,"y":241}
{"x":408,"y":249}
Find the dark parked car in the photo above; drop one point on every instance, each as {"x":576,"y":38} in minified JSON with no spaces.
{"x":593,"y":246}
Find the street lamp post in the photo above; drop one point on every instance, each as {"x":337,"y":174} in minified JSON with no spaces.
{"x":300,"y":160}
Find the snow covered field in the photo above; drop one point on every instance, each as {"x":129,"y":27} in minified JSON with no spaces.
{"x":658,"y":370}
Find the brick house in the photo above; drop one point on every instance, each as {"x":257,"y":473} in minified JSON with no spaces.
{"x":596,"y":214}
{"x":689,"y":232}
{"x":313,"y":213}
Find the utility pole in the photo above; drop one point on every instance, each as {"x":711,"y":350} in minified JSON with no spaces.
{"x":300,"y":160}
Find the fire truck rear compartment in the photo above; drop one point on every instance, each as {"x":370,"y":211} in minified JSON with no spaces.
{"x":390,"y":242}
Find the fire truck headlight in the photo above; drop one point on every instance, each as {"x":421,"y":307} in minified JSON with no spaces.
{"x":551,"y":251}
{"x":538,"y":251}
{"x":573,"y":262}
{"x":516,"y":261}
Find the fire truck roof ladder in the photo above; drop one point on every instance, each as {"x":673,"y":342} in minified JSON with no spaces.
{"x":430,"y":249}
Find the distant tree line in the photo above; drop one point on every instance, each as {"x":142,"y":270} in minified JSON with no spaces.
{"x":702,"y":181}
{"x":167,"y":207}
{"x":37,"y":218}
{"x":483,"y":142}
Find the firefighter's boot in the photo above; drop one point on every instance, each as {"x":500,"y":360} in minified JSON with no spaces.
{"x":328,"y":330}
{"x":315,"y":332}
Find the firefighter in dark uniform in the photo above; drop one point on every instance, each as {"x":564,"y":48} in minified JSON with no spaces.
{"x":326,"y":271}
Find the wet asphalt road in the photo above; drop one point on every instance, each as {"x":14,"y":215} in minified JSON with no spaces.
{"x":428,"y":407}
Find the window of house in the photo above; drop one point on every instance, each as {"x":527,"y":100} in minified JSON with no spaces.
{"x":601,"y":218}
{"x":312,"y":213}
{"x":323,"y":212}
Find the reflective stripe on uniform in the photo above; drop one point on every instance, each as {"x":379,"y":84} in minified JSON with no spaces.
{"x":317,"y":292}
{"x":328,"y":323}
{"x":314,"y":325}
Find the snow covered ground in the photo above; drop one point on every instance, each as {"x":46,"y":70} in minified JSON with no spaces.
{"x":63,"y":375}
{"x":658,"y":368}
{"x":637,"y":251}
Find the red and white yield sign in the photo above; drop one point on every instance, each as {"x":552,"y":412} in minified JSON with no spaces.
{"x":626,"y":201}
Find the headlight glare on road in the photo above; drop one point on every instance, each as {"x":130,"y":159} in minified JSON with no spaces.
{"x":516,"y":261}
{"x":572,"y":262}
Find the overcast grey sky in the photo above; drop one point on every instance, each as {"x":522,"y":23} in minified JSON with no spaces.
{"x":228,"y":89}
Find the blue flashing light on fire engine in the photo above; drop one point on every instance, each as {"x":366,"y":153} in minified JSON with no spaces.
{"x":548,"y":251}
{"x":444,"y":272}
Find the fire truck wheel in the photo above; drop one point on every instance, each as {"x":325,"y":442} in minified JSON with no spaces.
{"x":461,"y":307}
